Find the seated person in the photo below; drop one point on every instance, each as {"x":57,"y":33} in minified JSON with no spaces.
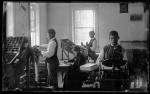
{"x":91,"y":46}
{"x":74,"y":77}
{"x":112,"y":50}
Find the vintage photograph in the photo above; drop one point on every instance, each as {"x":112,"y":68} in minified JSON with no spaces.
{"x":75,"y":46}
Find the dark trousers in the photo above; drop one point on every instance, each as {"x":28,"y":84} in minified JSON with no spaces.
{"x":52,"y":67}
{"x":73,"y":80}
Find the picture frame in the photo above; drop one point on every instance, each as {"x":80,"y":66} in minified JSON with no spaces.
{"x":136,"y":17}
{"x":123,"y":7}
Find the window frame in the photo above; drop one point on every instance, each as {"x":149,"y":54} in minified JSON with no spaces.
{"x":10,"y":19}
{"x":36,"y":31}
{"x":73,"y":20}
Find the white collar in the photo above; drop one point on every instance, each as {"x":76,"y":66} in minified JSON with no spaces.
{"x":93,"y":38}
{"x":52,"y":39}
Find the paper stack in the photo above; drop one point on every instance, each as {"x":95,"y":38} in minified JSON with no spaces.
{"x":89,"y":67}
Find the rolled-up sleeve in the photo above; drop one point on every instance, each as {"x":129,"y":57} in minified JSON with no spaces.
{"x":50,"y":50}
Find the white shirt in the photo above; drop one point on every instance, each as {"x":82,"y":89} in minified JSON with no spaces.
{"x":50,"y":48}
{"x":93,"y":48}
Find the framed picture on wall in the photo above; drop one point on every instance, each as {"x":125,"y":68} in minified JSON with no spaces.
{"x":123,"y":7}
{"x":136,"y":17}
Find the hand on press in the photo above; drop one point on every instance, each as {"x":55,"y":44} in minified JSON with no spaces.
{"x":87,"y":44}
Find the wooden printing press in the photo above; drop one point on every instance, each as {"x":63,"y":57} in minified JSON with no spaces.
{"x":89,"y":67}
{"x":20,"y":66}
{"x":16,"y":61}
{"x":100,"y":79}
{"x":66,"y":46}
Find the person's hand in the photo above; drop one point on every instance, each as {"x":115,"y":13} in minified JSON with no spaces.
{"x":65,"y":61}
{"x":87,"y":44}
{"x":82,"y":43}
{"x":42,"y":52}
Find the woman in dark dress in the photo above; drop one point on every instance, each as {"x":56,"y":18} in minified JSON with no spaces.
{"x":74,"y":77}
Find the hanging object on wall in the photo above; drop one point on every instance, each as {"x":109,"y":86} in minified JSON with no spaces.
{"x":146,"y":6}
{"x":124,"y":7}
{"x":23,"y":6}
{"x":136,"y":17}
{"x":4,"y":7}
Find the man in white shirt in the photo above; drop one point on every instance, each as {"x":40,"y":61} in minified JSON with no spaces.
{"x":91,"y":46}
{"x":51,"y":58}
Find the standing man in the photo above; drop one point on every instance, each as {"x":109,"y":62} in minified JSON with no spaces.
{"x":91,"y":46}
{"x":51,"y":59}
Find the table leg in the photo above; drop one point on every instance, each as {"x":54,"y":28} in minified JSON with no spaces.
{"x":62,"y":77}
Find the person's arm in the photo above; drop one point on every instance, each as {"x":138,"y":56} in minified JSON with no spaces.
{"x":93,"y":48}
{"x":124,"y":54}
{"x":83,"y":45}
{"x":100,"y":57}
{"x":50,"y":49}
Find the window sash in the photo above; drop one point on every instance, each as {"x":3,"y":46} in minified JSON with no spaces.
{"x":81,"y":33}
{"x":34,"y":24}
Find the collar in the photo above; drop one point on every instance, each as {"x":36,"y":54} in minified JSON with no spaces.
{"x":93,"y":38}
{"x":52,"y":39}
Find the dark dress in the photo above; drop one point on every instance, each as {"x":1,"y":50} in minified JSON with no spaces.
{"x":74,"y":77}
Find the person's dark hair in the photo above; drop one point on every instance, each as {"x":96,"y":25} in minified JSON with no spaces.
{"x":52,"y":32}
{"x":114,"y":33}
{"x":76,"y":48}
{"x":92,"y":32}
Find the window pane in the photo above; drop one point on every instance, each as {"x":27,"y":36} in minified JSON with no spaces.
{"x":84,"y":18}
{"x":82,"y":35}
{"x":32,"y":38}
{"x":32,"y":17}
{"x":10,"y":19}
{"x":84,"y":22}
{"x":34,"y":24}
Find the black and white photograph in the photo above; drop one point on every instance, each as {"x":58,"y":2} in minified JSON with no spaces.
{"x":75,"y":46}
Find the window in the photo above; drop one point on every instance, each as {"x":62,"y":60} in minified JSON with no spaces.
{"x":34,"y":24}
{"x":10,"y":19}
{"x":83,"y":22}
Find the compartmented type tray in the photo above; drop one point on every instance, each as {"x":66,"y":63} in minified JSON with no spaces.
{"x":13,"y":46}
